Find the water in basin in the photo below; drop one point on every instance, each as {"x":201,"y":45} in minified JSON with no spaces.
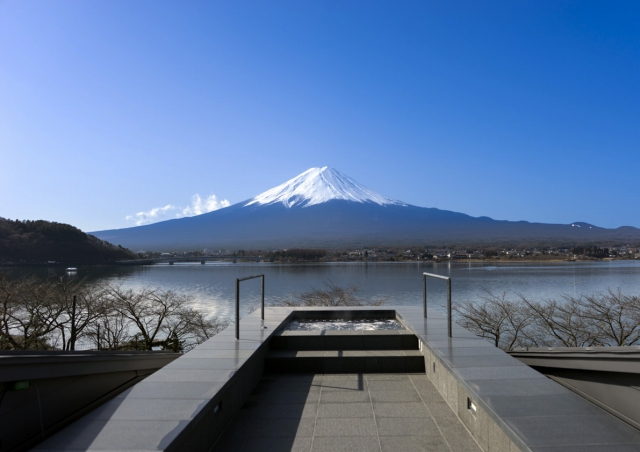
{"x":341,"y":324}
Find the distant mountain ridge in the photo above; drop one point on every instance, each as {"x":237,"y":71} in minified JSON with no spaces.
{"x":324,"y":208}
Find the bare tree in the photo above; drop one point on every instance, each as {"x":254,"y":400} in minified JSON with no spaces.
{"x":80,"y":305}
{"x":110,"y":330}
{"x":37,"y":314}
{"x":149,"y":310}
{"x":191,"y":327}
{"x":30,"y":313}
{"x":615,"y":316}
{"x":59,"y":313}
{"x":332,"y":295}
{"x":563,"y":323}
{"x":502,"y":321}
{"x":600,"y":319}
{"x":9,"y":309}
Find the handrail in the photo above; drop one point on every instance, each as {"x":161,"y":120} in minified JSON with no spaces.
{"x":424,"y":295}
{"x":238,"y":281}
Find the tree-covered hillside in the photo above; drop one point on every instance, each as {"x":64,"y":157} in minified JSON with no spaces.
{"x":42,"y":241}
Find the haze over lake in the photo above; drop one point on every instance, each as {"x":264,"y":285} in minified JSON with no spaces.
{"x":213,"y":285}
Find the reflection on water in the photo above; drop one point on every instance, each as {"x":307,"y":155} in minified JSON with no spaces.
{"x":213,"y":285}
{"x":350,"y":325}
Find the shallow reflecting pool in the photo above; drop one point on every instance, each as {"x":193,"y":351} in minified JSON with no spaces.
{"x":353,"y":325}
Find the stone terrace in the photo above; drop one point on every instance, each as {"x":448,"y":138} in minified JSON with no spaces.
{"x":346,"y":412}
{"x":504,"y":404}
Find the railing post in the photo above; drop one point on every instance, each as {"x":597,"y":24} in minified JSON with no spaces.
{"x":238,"y":280}
{"x":237,"y":309}
{"x":424,"y":298}
{"x":262,"y":313}
{"x":449,"y":304}
{"x":424,"y":294}
{"x":72,"y":339}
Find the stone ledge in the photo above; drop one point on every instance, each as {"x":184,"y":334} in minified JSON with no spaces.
{"x":510,"y":397}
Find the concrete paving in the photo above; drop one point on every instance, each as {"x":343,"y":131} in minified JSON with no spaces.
{"x":346,"y":412}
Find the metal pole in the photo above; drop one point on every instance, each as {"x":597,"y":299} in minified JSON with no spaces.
{"x":73,"y":324}
{"x":424,"y":294}
{"x":237,"y":309}
{"x":238,"y":281}
{"x":262,"y":297}
{"x":449,"y":304}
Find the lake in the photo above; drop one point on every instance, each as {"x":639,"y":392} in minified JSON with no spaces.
{"x":212,"y":286}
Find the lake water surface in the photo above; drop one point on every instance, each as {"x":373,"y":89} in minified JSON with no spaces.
{"x":212,"y":286}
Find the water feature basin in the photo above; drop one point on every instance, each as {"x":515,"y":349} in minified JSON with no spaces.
{"x":344,"y":324}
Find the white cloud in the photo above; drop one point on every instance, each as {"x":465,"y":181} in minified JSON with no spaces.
{"x":150,"y":216}
{"x":198,"y":206}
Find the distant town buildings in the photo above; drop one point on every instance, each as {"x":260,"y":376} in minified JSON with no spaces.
{"x":396,"y":254}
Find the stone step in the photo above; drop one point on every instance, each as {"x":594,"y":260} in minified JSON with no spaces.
{"x":344,"y":361}
{"x":345,"y":340}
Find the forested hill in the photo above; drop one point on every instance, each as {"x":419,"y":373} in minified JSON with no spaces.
{"x":42,"y":241}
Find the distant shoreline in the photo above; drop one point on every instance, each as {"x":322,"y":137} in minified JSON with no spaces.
{"x":59,"y":264}
{"x":252,"y":260}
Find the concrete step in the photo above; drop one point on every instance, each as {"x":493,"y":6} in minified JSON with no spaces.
{"x":344,"y":361}
{"x":345,"y":340}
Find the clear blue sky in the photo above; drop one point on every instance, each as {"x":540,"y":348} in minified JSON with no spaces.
{"x":518,"y":110}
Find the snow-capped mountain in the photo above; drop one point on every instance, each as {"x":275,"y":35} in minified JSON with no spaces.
{"x":324,"y":208}
{"x":319,"y":185}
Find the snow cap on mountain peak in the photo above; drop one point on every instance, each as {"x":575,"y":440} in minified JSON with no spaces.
{"x":318,"y":185}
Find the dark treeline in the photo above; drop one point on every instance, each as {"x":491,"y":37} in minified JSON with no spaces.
{"x":65,"y":314}
{"x":41,"y":241}
{"x":591,"y":251}
{"x":298,"y":254}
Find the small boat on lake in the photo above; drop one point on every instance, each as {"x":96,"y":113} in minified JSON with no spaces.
{"x":71,"y":270}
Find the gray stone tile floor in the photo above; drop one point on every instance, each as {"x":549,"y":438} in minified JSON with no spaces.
{"x":350,"y":412}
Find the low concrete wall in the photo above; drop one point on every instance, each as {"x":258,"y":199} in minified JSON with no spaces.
{"x":184,"y":406}
{"x":41,"y":392}
{"x":506,"y":405}
{"x":489,"y":431}
{"x":606,"y":376}
{"x":203,"y":431}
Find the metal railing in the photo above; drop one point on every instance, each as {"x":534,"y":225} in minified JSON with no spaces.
{"x":238,"y":281}
{"x":424,"y":295}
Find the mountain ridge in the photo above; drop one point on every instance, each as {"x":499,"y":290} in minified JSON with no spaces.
{"x":324,"y":208}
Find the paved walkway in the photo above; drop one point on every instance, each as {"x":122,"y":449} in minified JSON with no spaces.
{"x":351,"y":413}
